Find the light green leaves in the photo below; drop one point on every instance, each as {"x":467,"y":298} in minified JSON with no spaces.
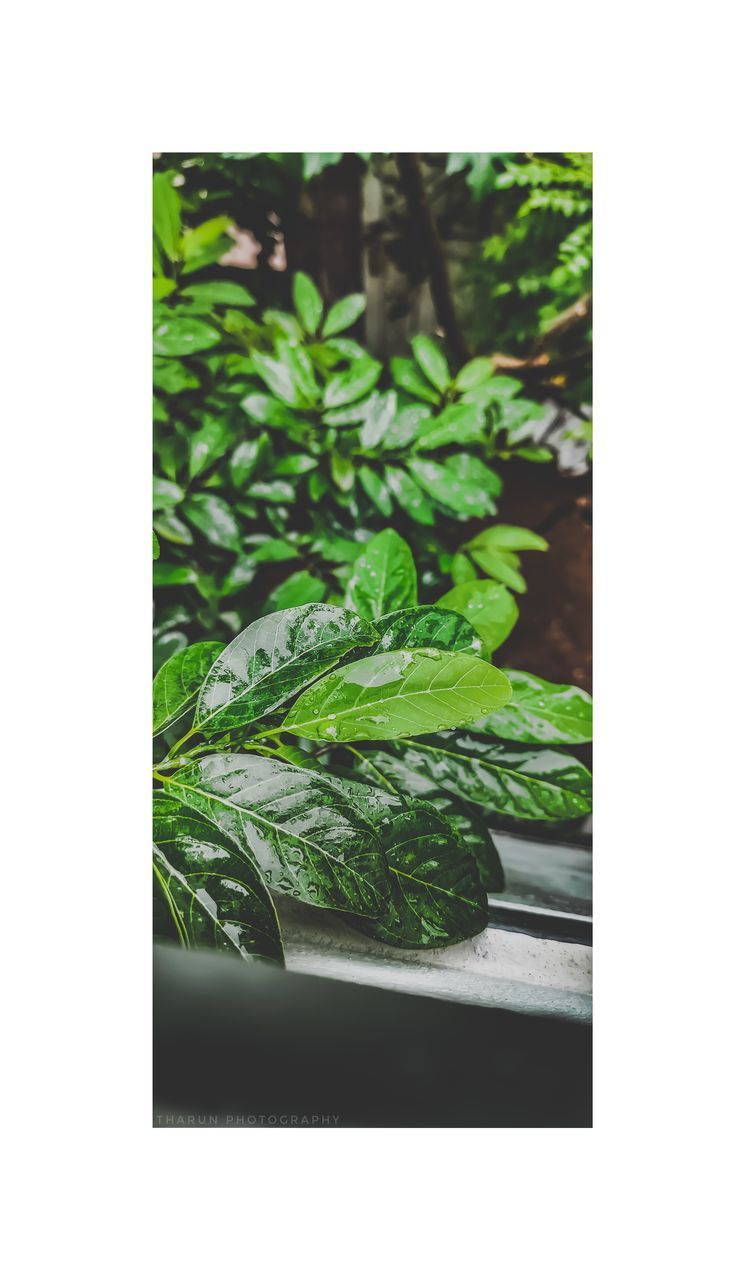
{"x":222,"y":293}
{"x":383,"y":577}
{"x":494,"y":551}
{"x":474,"y":374}
{"x":431,"y":361}
{"x":436,"y":894}
{"x":489,"y":608}
{"x":272,"y":660}
{"x":392,"y":695}
{"x":183,"y":335}
{"x":212,"y":894}
{"x":531,"y":785}
{"x":179,"y":680}
{"x":166,"y":215}
{"x":308,"y":840}
{"x":541,"y":712}
{"x":308,"y":302}
{"x":344,"y":313}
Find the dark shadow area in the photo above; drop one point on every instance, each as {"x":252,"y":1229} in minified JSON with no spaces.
{"x":244,"y":1046}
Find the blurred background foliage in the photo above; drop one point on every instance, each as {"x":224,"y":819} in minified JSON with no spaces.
{"x":284,"y":437}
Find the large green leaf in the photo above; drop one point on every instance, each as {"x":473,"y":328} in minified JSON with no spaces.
{"x":428,"y":627}
{"x":383,"y":577}
{"x":273,"y":659}
{"x":344,"y":313}
{"x":179,"y":680}
{"x":488,"y":606}
{"x":392,"y":695}
{"x":308,"y":302}
{"x":431,"y":361}
{"x":533,"y":785}
{"x":379,"y":766}
{"x":180,"y":335}
{"x":280,"y":378}
{"x":308,"y":840}
{"x":540,"y":712}
{"x":436,"y":896}
{"x":216,"y":897}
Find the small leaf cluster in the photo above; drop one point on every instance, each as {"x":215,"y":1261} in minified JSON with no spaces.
{"x":350,"y":757}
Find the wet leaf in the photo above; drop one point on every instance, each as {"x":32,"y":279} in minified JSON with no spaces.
{"x":392,"y":695}
{"x":474,"y":374}
{"x":354,"y":383}
{"x":376,"y":490}
{"x":541,"y":712}
{"x":273,"y":659}
{"x":179,"y":680}
{"x":306,"y":838}
{"x":428,"y":627}
{"x":488,"y":606}
{"x":383,"y":577}
{"x":533,"y":784}
{"x":409,"y":496}
{"x":436,"y":895}
{"x":215,"y":896}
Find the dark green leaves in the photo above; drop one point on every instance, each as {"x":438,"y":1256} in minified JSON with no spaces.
{"x":391,"y":695}
{"x":489,"y":608}
{"x":383,"y":577}
{"x":436,"y":895}
{"x":179,"y":680}
{"x":273,"y":659}
{"x":526,"y":784}
{"x":428,"y":627}
{"x":541,"y":712}
{"x":307,"y":839}
{"x":214,"y":895}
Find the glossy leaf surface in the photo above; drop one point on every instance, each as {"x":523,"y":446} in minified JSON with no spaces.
{"x":215,"y":895}
{"x":180,"y":335}
{"x":488,"y":606}
{"x":308,"y":302}
{"x":428,"y":627}
{"x":436,"y":896}
{"x":307,"y":839}
{"x":179,"y":680}
{"x":273,"y":659}
{"x":526,"y":784}
{"x":383,"y":577}
{"x":541,"y":712}
{"x":354,"y":383}
{"x":431,"y":361}
{"x":344,"y":313}
{"x":392,"y":695}
{"x":464,"y":488}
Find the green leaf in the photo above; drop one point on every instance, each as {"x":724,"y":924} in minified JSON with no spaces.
{"x":509,"y":537}
{"x":392,"y":695}
{"x":273,"y":659}
{"x":156,"y":546}
{"x":466,"y":487}
{"x":380,"y":414}
{"x":408,"y":423}
{"x":215,"y":895}
{"x":272,"y":490}
{"x":295,"y":464}
{"x":273,"y":551}
{"x":207,"y":445}
{"x":220,"y":293}
{"x":383,"y":577}
{"x":409,"y":496}
{"x":180,"y":335}
{"x":458,"y":424}
{"x":428,"y":627}
{"x":541,"y":712}
{"x":172,"y":376}
{"x":167,"y":215}
{"x":168,"y":525}
{"x":246,"y":458}
{"x":354,"y":383}
{"x":436,"y":894}
{"x":431,"y":361}
{"x":270,"y":412}
{"x":166,"y":493}
{"x":474,"y":374}
{"x":307,"y":839}
{"x":488,"y":606}
{"x":241,"y":575}
{"x":406,"y":375}
{"x":279,"y":376}
{"x":162,"y":288}
{"x":462,"y":569}
{"x":533,"y":784}
{"x":344,"y":313}
{"x":499,"y":568}
{"x":173,"y":575}
{"x":342,"y":472}
{"x":308,"y":302}
{"x":376,"y":490}
{"x":214,"y":518}
{"x":300,"y":588}
{"x":179,"y":680}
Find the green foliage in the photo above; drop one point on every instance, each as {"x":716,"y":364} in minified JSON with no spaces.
{"x":386,"y":830}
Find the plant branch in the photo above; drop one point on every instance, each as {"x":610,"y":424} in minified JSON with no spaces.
{"x":412,"y":182}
